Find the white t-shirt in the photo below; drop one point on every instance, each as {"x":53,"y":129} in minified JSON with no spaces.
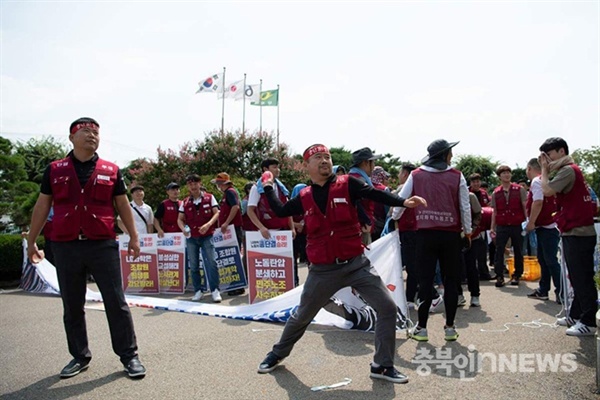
{"x":537,"y":194}
{"x":254,"y":196}
{"x":146,"y":211}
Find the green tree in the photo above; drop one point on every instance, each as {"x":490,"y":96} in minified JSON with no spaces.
{"x":589,"y":161}
{"x":38,"y":153}
{"x":12,"y":172}
{"x":341,"y":156}
{"x":518,"y":174}
{"x":239,"y":154}
{"x":469,"y":164}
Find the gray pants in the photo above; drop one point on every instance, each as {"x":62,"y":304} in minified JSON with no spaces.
{"x":322,"y":283}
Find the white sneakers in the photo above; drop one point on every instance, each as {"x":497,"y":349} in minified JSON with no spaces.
{"x":216,"y":296}
{"x":475,"y":301}
{"x":198,"y":295}
{"x":580,"y":329}
{"x":435,"y":304}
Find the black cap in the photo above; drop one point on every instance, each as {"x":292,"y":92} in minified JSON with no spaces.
{"x":172,"y":185}
{"x":364,"y":154}
{"x":136,"y":187}
{"x":438,"y":147}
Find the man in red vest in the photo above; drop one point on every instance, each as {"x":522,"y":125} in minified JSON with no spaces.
{"x":86,"y":190}
{"x":167,"y":212}
{"x":439,"y":226}
{"x":199,"y":213}
{"x":230,"y":212}
{"x":540,"y":210}
{"x":259,"y":210}
{"x":508,"y":202}
{"x":575,"y":221}
{"x":478,"y":249}
{"x":407,"y":233}
{"x":335,"y":250}
{"x":363,"y":163}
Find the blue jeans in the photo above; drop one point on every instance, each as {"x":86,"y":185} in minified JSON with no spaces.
{"x":547,"y":249}
{"x":193,"y":246}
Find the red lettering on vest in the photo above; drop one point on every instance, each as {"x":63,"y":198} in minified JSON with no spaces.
{"x":226,"y":209}
{"x":197,"y":215}
{"x":337,"y":234}
{"x":509,"y":212}
{"x":575,"y":208}
{"x":443,"y":213}
{"x":88,"y":210}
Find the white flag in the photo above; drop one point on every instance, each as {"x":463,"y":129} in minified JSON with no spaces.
{"x":211,"y":84}
{"x":251,"y":93}
{"x":231,"y":90}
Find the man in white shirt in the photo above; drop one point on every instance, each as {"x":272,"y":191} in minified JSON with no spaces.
{"x":142,"y":212}
{"x":539,"y":213}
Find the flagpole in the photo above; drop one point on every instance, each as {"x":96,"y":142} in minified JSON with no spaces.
{"x":223,"y":106}
{"x":277,"y":117}
{"x":244,"y":108}
{"x":260,"y":104}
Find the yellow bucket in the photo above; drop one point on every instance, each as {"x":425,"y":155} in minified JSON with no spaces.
{"x":531,"y":268}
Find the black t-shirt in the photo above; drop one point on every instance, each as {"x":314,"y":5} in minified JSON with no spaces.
{"x":160,"y":210}
{"x":231,"y":198}
{"x":84,"y":171}
{"x":357,"y":188}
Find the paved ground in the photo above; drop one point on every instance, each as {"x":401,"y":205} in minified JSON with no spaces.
{"x":197,"y":357}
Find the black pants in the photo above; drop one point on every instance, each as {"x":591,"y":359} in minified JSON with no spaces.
{"x":503,"y":233}
{"x":408,"y":250}
{"x":445,"y":247}
{"x":100,"y":258}
{"x":579,"y":255}
{"x":470,"y":259}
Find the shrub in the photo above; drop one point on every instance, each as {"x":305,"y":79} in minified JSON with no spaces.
{"x":11,"y":256}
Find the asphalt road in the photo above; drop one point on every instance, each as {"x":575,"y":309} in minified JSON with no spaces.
{"x":198,"y":357}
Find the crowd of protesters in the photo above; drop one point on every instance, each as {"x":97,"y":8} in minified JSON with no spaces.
{"x":446,"y":225}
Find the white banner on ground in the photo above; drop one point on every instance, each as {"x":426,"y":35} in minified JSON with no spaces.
{"x":345,"y":310}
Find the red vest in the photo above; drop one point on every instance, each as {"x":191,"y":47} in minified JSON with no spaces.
{"x":268,"y":217}
{"x":441,"y":191}
{"x":47,"y":231}
{"x":247,"y":223}
{"x":485,"y":223}
{"x":575,"y":208}
{"x":198,"y":215}
{"x":545,"y":217}
{"x":407,"y":221}
{"x":226,"y":208}
{"x":509,"y":213}
{"x":88,"y":210}
{"x":169,"y":219}
{"x":482,"y":196}
{"x":337,"y":234}
{"x":368,"y":205}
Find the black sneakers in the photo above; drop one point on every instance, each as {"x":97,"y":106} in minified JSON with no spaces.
{"x":270,"y":362}
{"x":74,"y":367}
{"x":135,"y":369}
{"x":389,"y":374}
{"x":536,"y":294}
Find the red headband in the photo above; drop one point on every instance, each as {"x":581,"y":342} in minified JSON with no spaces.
{"x":317,"y":148}
{"x":84,"y":125}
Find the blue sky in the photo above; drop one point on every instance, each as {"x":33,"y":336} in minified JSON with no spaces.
{"x":500,"y":77}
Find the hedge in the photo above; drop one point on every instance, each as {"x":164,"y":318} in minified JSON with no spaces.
{"x":11,"y":256}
